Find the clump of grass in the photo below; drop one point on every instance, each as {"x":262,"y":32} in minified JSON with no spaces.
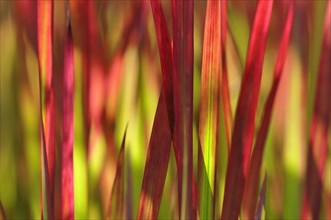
{"x":117,"y":139}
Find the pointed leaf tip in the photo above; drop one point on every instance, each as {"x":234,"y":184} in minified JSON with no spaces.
{"x":116,"y":201}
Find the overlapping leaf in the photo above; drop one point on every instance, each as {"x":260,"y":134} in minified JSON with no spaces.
{"x":252,"y":183}
{"x":160,"y":141}
{"x":243,"y":132}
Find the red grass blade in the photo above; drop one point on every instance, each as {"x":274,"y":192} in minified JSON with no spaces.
{"x":261,"y":201}
{"x":245,"y":116}
{"x":116,"y":201}
{"x":209,"y":107}
{"x":161,"y":137}
{"x":2,"y":212}
{"x":182,"y":13}
{"x":320,"y":124}
{"x":156,"y":164}
{"x":45,"y":40}
{"x":68,"y":127}
{"x":225,"y":82}
{"x":164,"y":45}
{"x":252,"y":183}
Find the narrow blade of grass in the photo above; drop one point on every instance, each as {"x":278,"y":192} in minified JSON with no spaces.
{"x":261,"y":201}
{"x":182,"y":14}
{"x":156,"y":164}
{"x":46,"y":201}
{"x":45,"y":40}
{"x":161,"y":137}
{"x":68,"y":127}
{"x":225,"y":82}
{"x":320,"y":124}
{"x":116,"y":201}
{"x":164,"y":44}
{"x":252,"y":183}
{"x":243,"y":133}
{"x":209,"y":106}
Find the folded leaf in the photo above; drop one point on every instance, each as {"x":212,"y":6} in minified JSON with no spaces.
{"x":252,"y":183}
{"x":116,"y":201}
{"x":67,"y":179}
{"x":243,"y":132}
{"x":319,"y":128}
{"x":182,"y":13}
{"x":210,"y":106}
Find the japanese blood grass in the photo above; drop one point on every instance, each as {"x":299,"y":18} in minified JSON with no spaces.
{"x":187,"y":66}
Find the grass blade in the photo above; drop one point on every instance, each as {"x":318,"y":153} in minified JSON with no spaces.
{"x":209,"y":106}
{"x":165,"y":50}
{"x":116,"y":201}
{"x":67,"y":127}
{"x":261,"y":201}
{"x":160,"y":142}
{"x":46,"y":201}
{"x":252,"y":183}
{"x":45,"y":40}
{"x":225,"y":82}
{"x":182,"y":13}
{"x":156,"y":164}
{"x":245,"y":116}
{"x":320,"y":124}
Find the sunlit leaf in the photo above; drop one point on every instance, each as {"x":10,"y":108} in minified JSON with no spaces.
{"x":209,"y":107}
